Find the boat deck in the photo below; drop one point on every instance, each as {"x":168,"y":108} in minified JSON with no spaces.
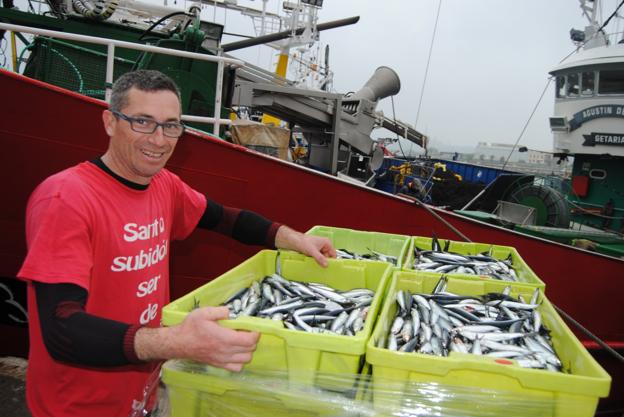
{"x":12,"y":387}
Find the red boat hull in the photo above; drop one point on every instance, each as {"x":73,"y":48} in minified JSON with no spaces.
{"x":45,"y":129}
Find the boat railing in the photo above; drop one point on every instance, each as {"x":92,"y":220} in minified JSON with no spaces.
{"x":111,"y":44}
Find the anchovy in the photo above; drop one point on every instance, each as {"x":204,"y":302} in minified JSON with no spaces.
{"x":370,"y":256}
{"x":307,"y":306}
{"x":494,"y":324}
{"x":443,"y":261}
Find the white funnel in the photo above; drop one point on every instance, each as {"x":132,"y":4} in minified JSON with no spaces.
{"x":384,"y":82}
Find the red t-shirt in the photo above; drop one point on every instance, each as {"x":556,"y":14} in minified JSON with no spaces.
{"x":86,"y":228}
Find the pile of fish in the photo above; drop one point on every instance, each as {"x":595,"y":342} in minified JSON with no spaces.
{"x":371,"y":256}
{"x":307,"y":306}
{"x":442,"y":261}
{"x":494,"y":324}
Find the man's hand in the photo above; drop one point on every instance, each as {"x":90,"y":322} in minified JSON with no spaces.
{"x":199,"y":337}
{"x":320,"y":248}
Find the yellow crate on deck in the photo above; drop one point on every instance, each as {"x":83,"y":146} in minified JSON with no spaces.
{"x":524,"y":273}
{"x":559,"y":394}
{"x":362,"y":242}
{"x":303,"y":354}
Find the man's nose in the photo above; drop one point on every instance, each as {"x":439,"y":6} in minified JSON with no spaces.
{"x":158,"y":137}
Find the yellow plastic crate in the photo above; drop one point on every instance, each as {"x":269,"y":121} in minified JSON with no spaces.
{"x":558,"y":394}
{"x":196,"y":390}
{"x":524,"y":273}
{"x":362,"y":242}
{"x":303,"y":354}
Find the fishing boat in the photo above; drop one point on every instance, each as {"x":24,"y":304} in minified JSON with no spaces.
{"x":46,"y":128}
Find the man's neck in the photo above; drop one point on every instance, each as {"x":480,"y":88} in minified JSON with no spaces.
{"x":100,"y":163}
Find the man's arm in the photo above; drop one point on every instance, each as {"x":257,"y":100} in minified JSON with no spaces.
{"x":253,"y":229}
{"x":198,"y":337}
{"x":74,"y":336}
{"x":242,"y":225}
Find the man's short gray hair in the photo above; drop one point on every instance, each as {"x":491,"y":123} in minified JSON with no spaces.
{"x":144,"y":80}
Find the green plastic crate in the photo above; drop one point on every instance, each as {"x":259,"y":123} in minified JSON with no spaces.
{"x":524,"y":273}
{"x":544,"y":393}
{"x":196,"y":390}
{"x":362,"y":242}
{"x":303,"y":354}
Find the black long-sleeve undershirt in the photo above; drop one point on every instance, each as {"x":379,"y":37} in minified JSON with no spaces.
{"x":72,"y":335}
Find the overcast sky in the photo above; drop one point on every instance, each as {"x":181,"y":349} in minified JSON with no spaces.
{"x":489,"y":64}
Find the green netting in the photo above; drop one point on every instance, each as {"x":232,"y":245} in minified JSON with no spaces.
{"x":70,"y":66}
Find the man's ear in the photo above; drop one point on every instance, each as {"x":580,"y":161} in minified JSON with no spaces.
{"x":109,"y":121}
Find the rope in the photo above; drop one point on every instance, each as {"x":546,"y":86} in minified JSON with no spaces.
{"x":395,"y":122}
{"x":528,"y":121}
{"x":437,"y":216}
{"x":590,"y":334}
{"x":422,"y":90}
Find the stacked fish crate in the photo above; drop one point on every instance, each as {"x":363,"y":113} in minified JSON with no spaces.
{"x":398,"y":325}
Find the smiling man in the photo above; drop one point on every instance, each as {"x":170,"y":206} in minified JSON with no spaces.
{"x":97,"y":267}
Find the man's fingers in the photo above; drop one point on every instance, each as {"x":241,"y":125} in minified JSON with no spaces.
{"x":234,"y":367}
{"x":329,"y":251}
{"x":320,"y":259}
{"x":240,"y":340}
{"x":241,"y":358}
{"x":215,"y":313}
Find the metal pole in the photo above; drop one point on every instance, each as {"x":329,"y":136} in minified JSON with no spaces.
{"x":217,"y":105}
{"x":335,"y":143}
{"x":14,"y":51}
{"x":110,"y":62}
{"x":121,"y":44}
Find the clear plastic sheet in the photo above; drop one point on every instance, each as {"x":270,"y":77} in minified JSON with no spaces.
{"x":194,"y":390}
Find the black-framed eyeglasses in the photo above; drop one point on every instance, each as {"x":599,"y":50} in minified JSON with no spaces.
{"x":149,"y":126}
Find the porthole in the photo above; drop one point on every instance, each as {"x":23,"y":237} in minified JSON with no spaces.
{"x":597,"y":174}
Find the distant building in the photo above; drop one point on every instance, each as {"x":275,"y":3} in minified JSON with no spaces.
{"x":497,"y":152}
{"x":537,"y":157}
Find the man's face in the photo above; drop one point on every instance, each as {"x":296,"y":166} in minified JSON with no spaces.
{"x":139,"y":156}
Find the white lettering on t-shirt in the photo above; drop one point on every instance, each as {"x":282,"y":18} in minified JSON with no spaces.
{"x":149,"y":314}
{"x":148,"y":287}
{"x":142,"y":260}
{"x":134,"y":232}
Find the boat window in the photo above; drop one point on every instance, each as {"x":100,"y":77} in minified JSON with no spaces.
{"x":587,"y":83}
{"x":560,"y":86}
{"x":573,"y":85}
{"x":611,"y":82}
{"x":598,"y":174}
